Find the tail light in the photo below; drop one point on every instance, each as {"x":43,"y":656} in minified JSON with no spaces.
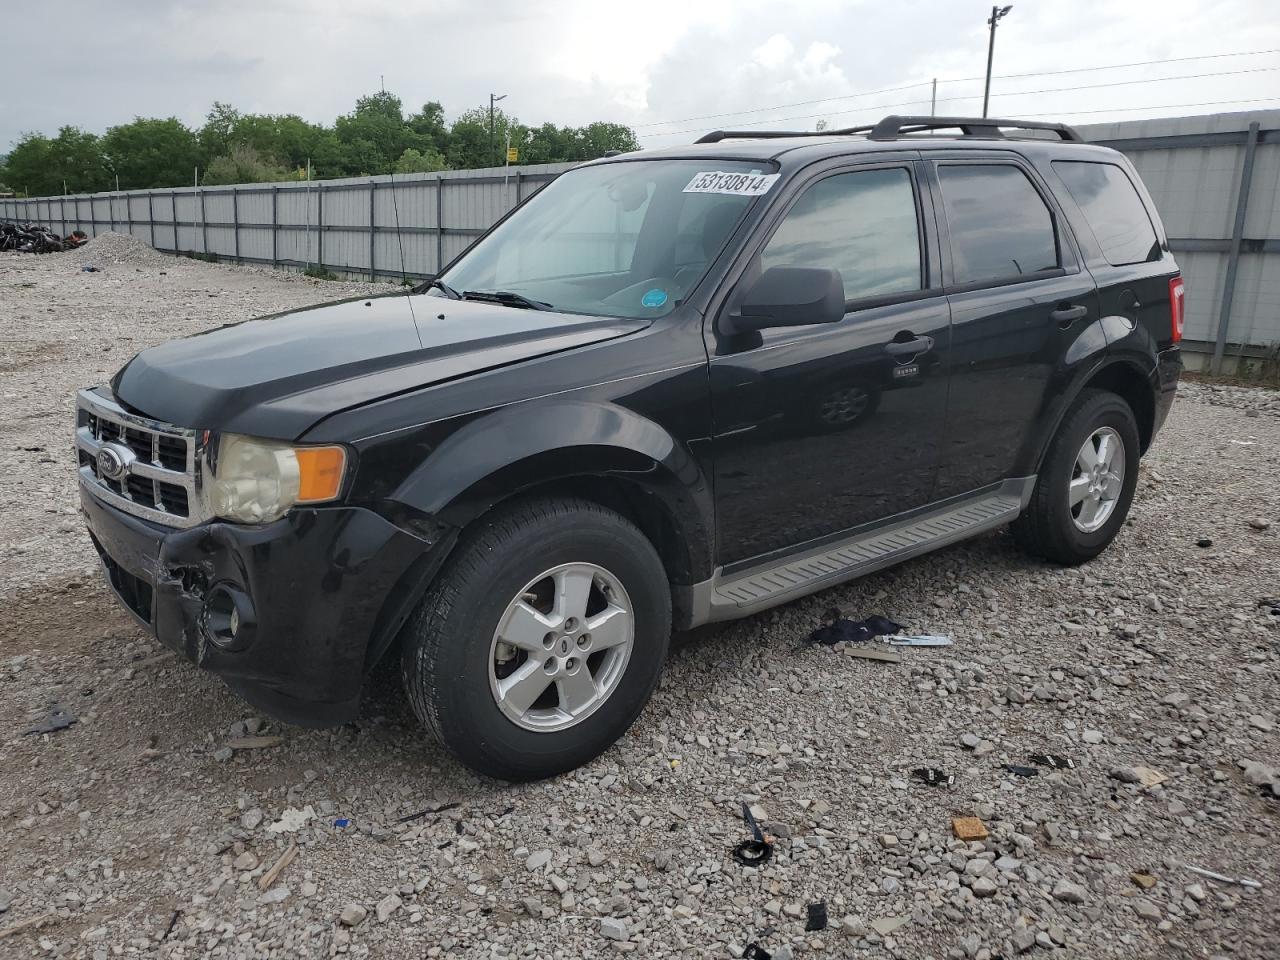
{"x":1177,"y":303}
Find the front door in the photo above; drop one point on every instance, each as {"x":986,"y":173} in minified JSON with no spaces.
{"x":819,"y":429}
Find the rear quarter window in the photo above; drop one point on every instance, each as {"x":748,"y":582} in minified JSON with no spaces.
{"x":1111,"y":205}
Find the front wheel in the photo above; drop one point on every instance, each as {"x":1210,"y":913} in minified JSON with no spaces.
{"x":541,"y":640}
{"x":1086,"y":484}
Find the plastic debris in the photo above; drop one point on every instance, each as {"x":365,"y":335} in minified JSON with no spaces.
{"x":753,"y":951}
{"x":968,"y":828}
{"x":342,"y":823}
{"x":854,"y":631}
{"x":254,"y":743}
{"x":924,"y":640}
{"x":874,"y":653}
{"x":292,"y":820}
{"x":1238,"y":881}
{"x":756,"y":851}
{"x":89,"y":268}
{"x":1053,"y":760}
{"x":817,"y":916}
{"x":58,"y":718}
{"x":1204,"y":543}
{"x":934,"y":777}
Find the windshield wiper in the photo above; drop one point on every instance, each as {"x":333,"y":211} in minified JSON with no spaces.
{"x":507,"y":298}
{"x":439,"y":284}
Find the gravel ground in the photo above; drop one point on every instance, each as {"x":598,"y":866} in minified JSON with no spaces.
{"x":148,"y":828}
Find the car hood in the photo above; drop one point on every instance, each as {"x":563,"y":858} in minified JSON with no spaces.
{"x":277,"y":376}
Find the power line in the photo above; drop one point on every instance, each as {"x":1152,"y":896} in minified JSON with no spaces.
{"x":1016,"y":93}
{"x":1156,"y":106}
{"x":923,"y":83}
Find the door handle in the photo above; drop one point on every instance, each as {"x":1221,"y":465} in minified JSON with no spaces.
{"x":902,"y":348}
{"x":1069,"y":315}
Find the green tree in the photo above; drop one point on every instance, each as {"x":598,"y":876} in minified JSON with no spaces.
{"x":151,"y":153}
{"x":39,"y":166}
{"x":470,"y":145}
{"x":597,"y":139}
{"x":243,"y":165}
{"x":416,"y":161}
{"x":429,"y":122}
{"x":219,"y":131}
{"x":375,"y":135}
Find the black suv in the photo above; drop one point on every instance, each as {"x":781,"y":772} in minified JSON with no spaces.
{"x":672,"y":387}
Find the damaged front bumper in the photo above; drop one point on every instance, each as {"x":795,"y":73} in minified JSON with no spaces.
{"x":291,"y":614}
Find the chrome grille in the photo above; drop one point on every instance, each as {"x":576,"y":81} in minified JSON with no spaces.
{"x":141,"y":466}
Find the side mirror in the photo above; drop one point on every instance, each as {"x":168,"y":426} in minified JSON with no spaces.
{"x":791,"y":297}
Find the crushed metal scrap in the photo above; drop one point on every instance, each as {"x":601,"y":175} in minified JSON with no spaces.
{"x":31,"y":238}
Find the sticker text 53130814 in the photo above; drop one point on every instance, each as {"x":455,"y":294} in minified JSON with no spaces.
{"x":734,"y":184}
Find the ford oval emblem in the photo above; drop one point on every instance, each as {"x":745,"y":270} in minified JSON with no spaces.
{"x":110,"y":464}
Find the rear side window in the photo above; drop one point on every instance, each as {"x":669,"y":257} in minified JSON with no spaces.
{"x":1115,"y":212}
{"x":1000,"y":227}
{"x":862,"y":224}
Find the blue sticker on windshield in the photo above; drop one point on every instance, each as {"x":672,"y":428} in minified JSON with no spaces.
{"x":654,"y":298}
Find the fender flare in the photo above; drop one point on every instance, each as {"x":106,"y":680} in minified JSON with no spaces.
{"x":525,"y":447}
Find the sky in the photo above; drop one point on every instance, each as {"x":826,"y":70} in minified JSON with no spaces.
{"x":672,"y":69}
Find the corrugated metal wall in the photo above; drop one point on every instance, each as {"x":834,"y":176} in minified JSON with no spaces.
{"x":325,"y":223}
{"x":1223,"y":227}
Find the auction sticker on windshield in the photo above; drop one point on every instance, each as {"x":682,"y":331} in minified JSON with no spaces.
{"x":733,"y":184}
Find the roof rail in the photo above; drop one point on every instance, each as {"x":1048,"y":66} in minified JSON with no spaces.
{"x":893,"y":127}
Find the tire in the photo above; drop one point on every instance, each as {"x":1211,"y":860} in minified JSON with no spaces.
{"x":1053,"y":527}
{"x":454,"y":664}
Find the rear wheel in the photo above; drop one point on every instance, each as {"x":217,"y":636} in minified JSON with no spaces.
{"x":541,"y":640}
{"x":1086,"y":485}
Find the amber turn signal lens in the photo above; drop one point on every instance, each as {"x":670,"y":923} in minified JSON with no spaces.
{"x":320,"y":471}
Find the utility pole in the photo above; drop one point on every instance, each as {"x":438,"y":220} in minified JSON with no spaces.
{"x":493,"y":98}
{"x":996,"y":14}
{"x":933,"y":100}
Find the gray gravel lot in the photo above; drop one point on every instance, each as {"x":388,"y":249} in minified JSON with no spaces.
{"x":133,"y":833}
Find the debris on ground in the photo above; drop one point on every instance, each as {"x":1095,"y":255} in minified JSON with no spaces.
{"x":968,"y":828}
{"x":886,"y":925}
{"x":1143,"y":879}
{"x":1053,"y":760}
{"x":58,"y":718}
{"x":254,"y":743}
{"x":277,"y":868}
{"x":756,"y":851}
{"x":33,"y":238}
{"x":753,"y":951}
{"x":292,"y":820}
{"x":934,"y":777}
{"x":923,"y":640}
{"x":874,"y":653}
{"x":1143,"y":776}
{"x":428,"y":812}
{"x":854,"y":631}
{"x":27,"y":924}
{"x":817,"y":916}
{"x":1221,"y":878}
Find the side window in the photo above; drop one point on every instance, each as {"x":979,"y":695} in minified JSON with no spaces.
{"x":862,"y":224}
{"x":1000,"y":227}
{"x":1113,"y":208}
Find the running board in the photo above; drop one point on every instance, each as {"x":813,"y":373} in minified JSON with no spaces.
{"x":739,"y":595}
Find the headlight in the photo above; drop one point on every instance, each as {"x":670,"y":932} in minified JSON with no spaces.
{"x":257,"y":481}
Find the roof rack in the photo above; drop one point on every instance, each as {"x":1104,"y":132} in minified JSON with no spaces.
{"x":894,"y":127}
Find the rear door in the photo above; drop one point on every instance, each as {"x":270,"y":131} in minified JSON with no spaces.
{"x":1019,"y":297}
{"x":1121,"y":248}
{"x":822,"y":428}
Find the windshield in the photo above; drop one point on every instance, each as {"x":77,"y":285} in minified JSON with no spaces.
{"x":625,"y":239}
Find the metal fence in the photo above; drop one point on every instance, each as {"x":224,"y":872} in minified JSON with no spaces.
{"x":1214,"y":179}
{"x":368,"y":226}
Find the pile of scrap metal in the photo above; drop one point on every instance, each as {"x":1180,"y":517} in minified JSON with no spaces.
{"x":32,"y":238}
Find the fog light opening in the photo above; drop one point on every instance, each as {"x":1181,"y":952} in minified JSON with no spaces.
{"x":228,"y":618}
